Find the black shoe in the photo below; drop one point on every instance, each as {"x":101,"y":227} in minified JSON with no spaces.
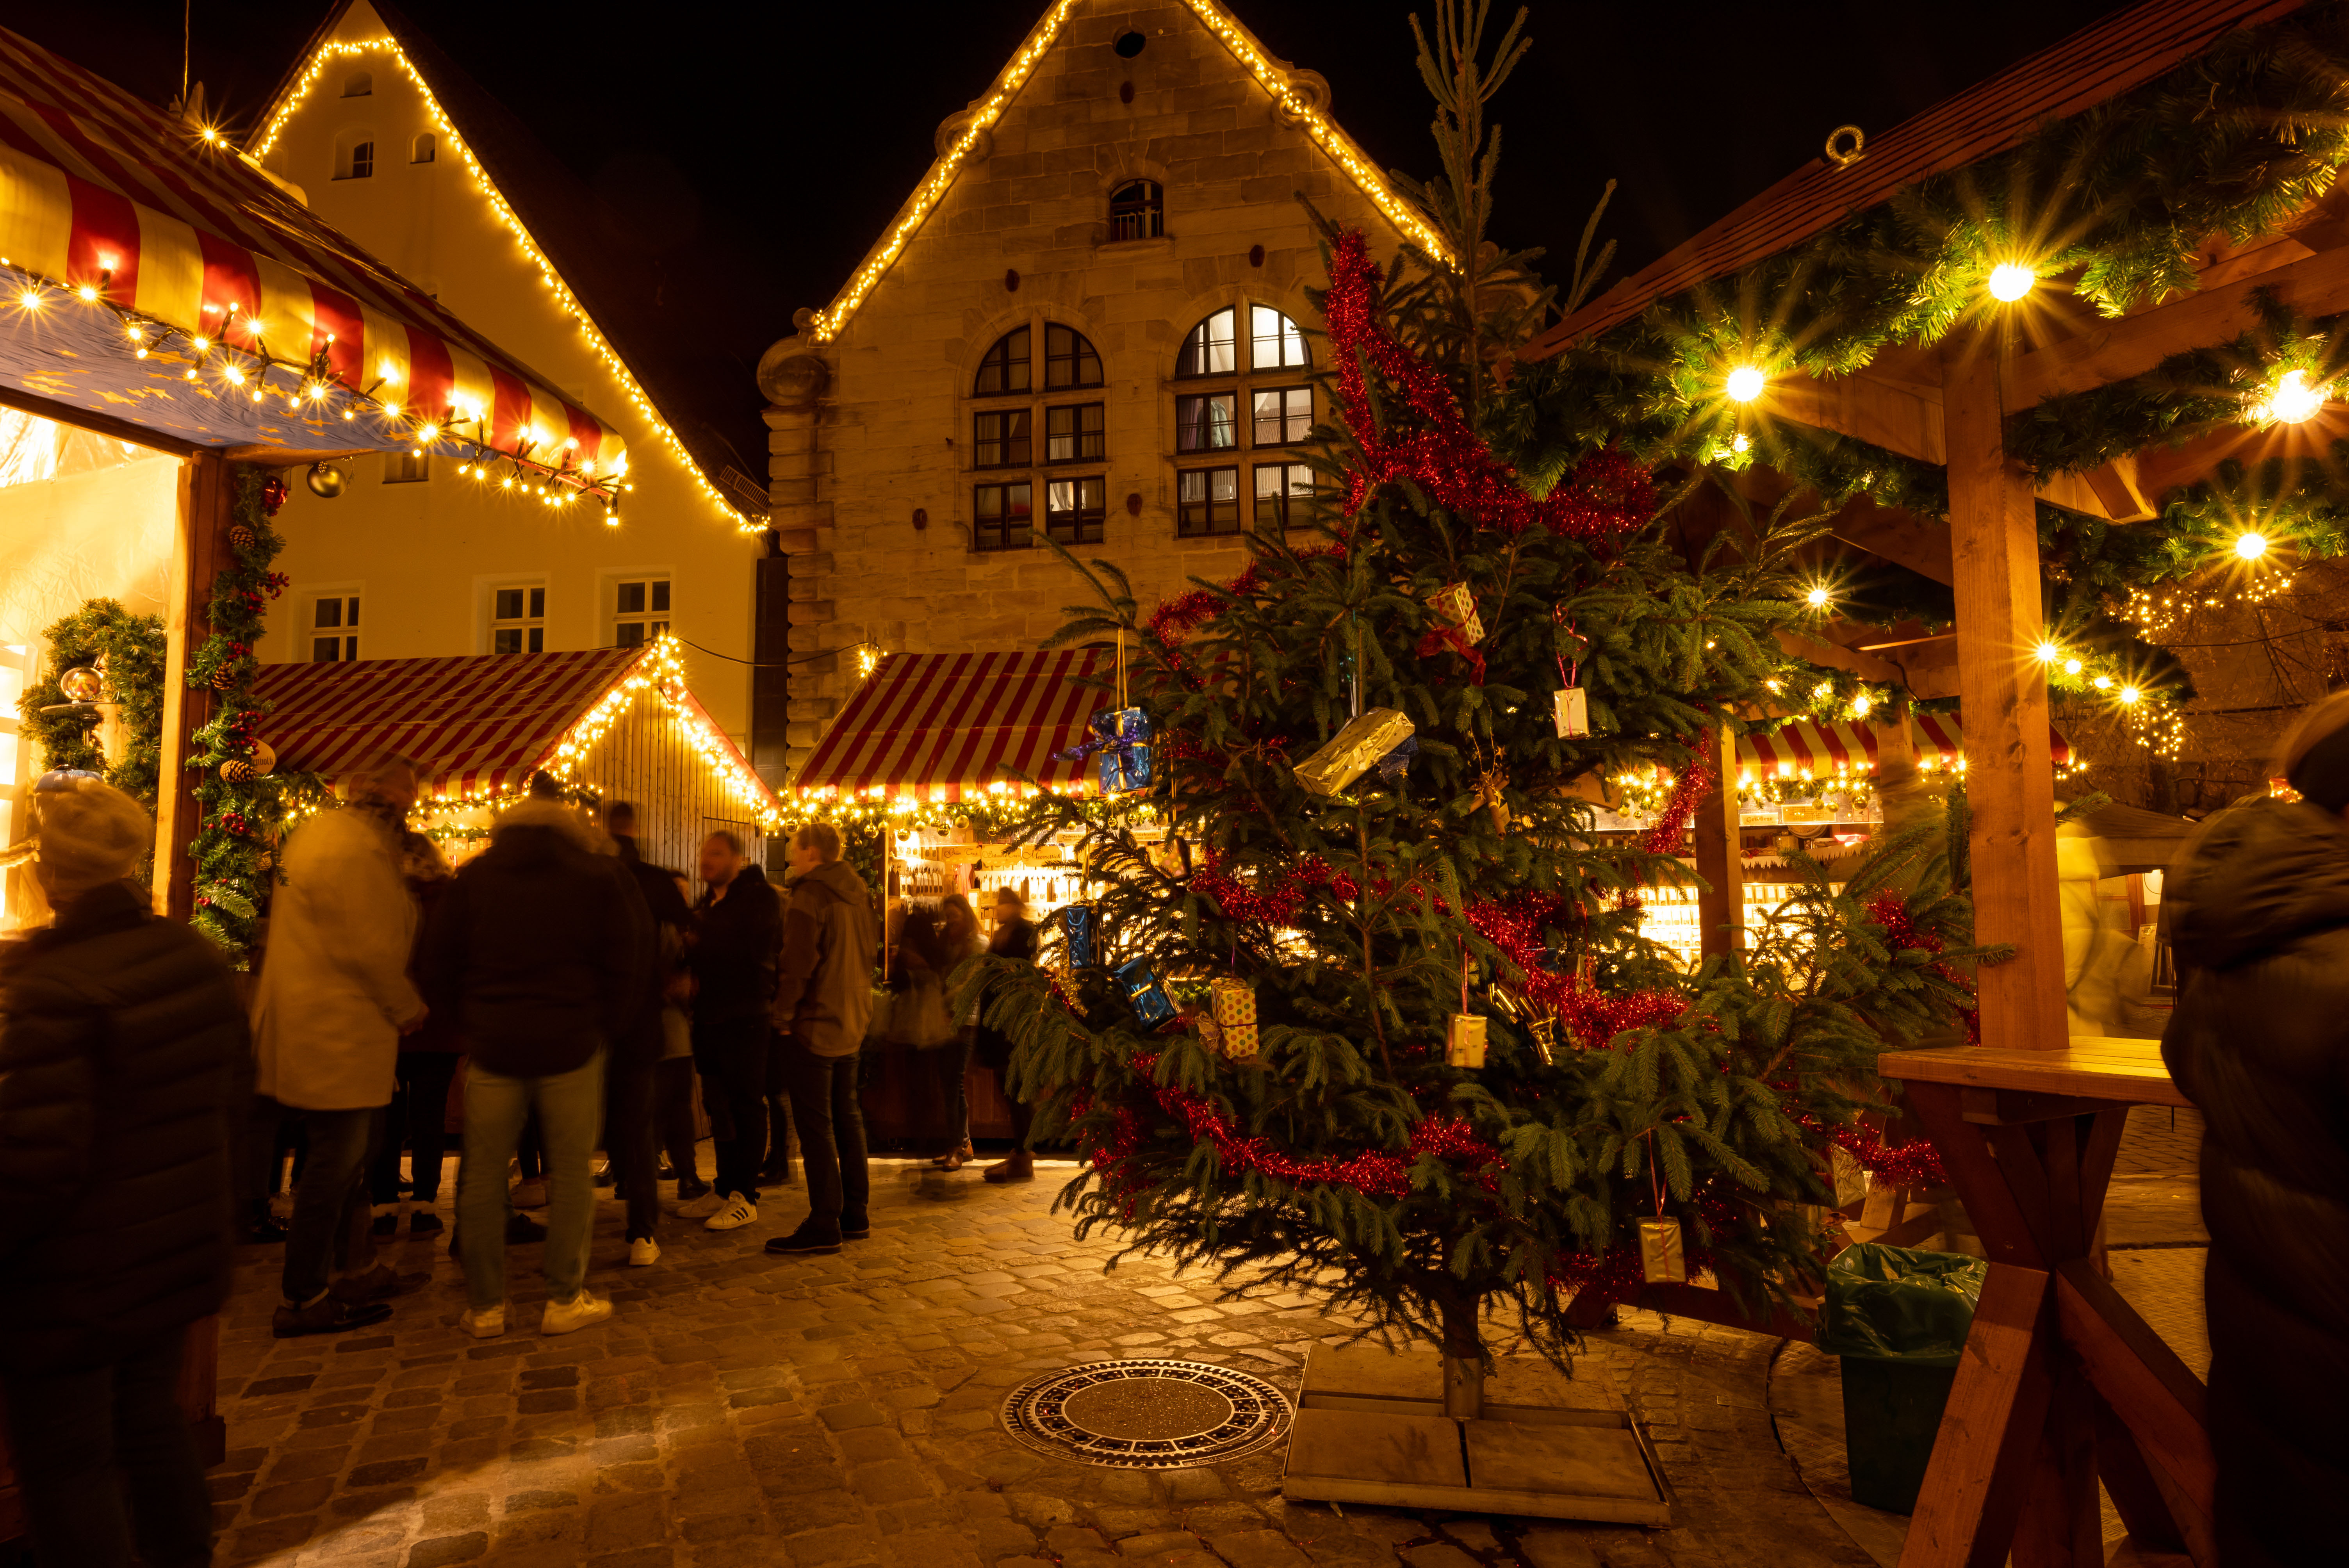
{"x":327,"y":1314}
{"x":267,"y":1229}
{"x":691,"y":1187}
{"x":604,"y":1176}
{"x":802,"y":1242}
{"x":424,"y":1222}
{"x":854,"y":1230}
{"x":666,"y":1172}
{"x":521,"y":1229}
{"x":386,"y":1226}
{"x":777,"y":1175}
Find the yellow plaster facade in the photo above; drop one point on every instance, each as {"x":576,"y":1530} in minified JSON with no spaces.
{"x":875,"y":466}
{"x":426,"y":558}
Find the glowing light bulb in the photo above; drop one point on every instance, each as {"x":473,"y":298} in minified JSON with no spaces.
{"x":1861,"y":704}
{"x":138,"y":334}
{"x":2294,"y":400}
{"x":201,"y":345}
{"x":1742,"y":443}
{"x":2049,"y":653}
{"x":30,"y":299}
{"x":429,"y":433}
{"x":1744,"y":384}
{"x":2129,"y":695}
{"x":2250,"y":544}
{"x":88,"y":293}
{"x":235,"y":376}
{"x":1817,"y":598}
{"x":391,"y":410}
{"x":2009,"y":281}
{"x":2071,"y":667}
{"x":2102,"y":683}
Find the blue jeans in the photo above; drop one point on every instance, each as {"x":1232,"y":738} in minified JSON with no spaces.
{"x":831,"y":1138}
{"x":569,"y":1105}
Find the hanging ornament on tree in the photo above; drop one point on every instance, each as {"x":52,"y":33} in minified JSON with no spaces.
{"x":1211,"y":1034}
{"x":1489,"y":794}
{"x":1845,"y":1176}
{"x":1151,"y":1004}
{"x":1354,"y":750}
{"x":1570,"y":708}
{"x":1081,"y":924}
{"x":273,"y":494}
{"x":1458,"y":627}
{"x":1464,"y":1046}
{"x":263,"y":759}
{"x":1234,"y":1005}
{"x":1664,"y":1259}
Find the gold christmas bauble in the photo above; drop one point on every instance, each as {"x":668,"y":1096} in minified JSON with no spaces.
{"x":81,"y":683}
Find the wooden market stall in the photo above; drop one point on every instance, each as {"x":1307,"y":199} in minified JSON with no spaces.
{"x":615,"y":723}
{"x":2063,"y":1387}
{"x":176,"y":323}
{"x":937,"y":746}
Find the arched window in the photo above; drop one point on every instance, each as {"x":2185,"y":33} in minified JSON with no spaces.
{"x":1069,"y":359}
{"x":1005,"y":368}
{"x":355,"y":155}
{"x":358,"y":84}
{"x":1263,"y":405}
{"x":1039,"y":447}
{"x":424,"y":148}
{"x":1137,"y":210}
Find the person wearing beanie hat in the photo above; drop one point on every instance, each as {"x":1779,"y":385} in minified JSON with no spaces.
{"x":2258,"y":907}
{"x":124,"y":1061}
{"x":332,"y":1001}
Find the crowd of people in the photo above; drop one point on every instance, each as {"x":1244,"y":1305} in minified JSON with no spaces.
{"x":148,"y":1114}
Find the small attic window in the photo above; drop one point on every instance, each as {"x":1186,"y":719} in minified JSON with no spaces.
{"x":358,"y":84}
{"x":1129,"y":44}
{"x":424,"y":148}
{"x":1137,"y":210}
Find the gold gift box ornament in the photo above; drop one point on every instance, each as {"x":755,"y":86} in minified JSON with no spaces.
{"x":1456,"y":604}
{"x":1233,"y":1003}
{"x":1570,"y":711}
{"x":1662,"y":1259}
{"x":1464,"y":1046}
{"x":1353,"y":750}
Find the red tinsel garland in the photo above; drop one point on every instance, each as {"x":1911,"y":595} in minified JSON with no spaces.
{"x":1888,"y":911}
{"x":1608,"y":493}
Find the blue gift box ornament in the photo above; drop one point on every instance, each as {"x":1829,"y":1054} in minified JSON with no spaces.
{"x":1396,"y":763}
{"x":1082,"y":928}
{"x":1150,"y":1002}
{"x":1121,"y":739}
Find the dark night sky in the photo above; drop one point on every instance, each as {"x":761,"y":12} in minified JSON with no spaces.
{"x":770,"y":143}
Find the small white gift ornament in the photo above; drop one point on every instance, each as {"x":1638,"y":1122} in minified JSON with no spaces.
{"x":1570,"y":707}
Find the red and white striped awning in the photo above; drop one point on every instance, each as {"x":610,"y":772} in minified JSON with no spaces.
{"x":1824,"y":748}
{"x":943,"y":726}
{"x":109,"y":206}
{"x":475,"y":726}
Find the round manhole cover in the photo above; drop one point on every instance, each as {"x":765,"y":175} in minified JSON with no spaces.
{"x":1147,"y":1414}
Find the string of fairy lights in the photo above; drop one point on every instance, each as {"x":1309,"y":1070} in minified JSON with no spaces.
{"x":337,"y":50}
{"x":980,"y":121}
{"x":539,"y":466}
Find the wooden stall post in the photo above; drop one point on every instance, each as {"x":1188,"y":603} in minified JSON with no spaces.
{"x":2009,"y":776}
{"x":200,"y":546}
{"x":1721,"y":904}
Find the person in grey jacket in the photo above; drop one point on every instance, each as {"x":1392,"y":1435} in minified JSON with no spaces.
{"x":823,"y":1003}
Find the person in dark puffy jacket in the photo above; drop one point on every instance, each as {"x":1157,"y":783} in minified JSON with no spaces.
{"x":124,"y":1058}
{"x":738,"y":931}
{"x":539,"y":949}
{"x":2258,"y":914}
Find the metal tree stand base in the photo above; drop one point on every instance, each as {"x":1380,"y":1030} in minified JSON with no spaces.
{"x":1147,"y":1413}
{"x":1371,"y":1427}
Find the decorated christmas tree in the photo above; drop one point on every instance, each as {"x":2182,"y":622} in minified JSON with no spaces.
{"x":1375,"y":1018}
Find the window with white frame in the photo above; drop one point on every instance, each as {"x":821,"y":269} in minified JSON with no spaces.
{"x":518,"y":618}
{"x":639,"y":609}
{"x":332,"y":625}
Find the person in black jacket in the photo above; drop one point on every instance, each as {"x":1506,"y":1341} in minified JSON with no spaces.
{"x":631,"y":1088}
{"x":733,"y":962}
{"x":124,"y":1059}
{"x":2259,"y":919}
{"x":539,"y":950}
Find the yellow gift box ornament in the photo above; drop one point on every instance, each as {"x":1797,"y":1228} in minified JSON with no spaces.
{"x":1662,"y":1259}
{"x":1464,"y":1046}
{"x":1457,"y":605}
{"x":1233,"y":1001}
{"x":1354,"y":750}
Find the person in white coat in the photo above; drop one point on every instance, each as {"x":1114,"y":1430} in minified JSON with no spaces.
{"x":332,"y":1001}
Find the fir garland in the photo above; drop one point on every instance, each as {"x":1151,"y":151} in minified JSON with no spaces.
{"x":132,"y":647}
{"x":239,"y":818}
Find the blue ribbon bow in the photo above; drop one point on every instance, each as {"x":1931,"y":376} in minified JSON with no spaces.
{"x":1122,"y":737}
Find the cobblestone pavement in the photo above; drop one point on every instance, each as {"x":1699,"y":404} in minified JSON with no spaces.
{"x":742,"y":1410}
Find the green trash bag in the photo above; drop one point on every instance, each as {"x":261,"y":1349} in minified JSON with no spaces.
{"x":1898,"y":1303}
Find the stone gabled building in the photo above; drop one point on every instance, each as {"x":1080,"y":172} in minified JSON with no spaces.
{"x":1088,"y":323}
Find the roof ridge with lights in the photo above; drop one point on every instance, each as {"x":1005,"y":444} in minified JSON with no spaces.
{"x":1297,"y":101}
{"x":542,"y":204}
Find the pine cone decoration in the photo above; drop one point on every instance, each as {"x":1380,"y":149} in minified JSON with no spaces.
{"x":223,"y":677}
{"x":237,"y":771}
{"x":242,"y":537}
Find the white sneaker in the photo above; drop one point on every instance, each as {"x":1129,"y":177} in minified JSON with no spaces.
{"x":644,"y":1251}
{"x":485,"y":1323}
{"x":563,"y":1316}
{"x":708,"y":1203}
{"x":738,"y":1212}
